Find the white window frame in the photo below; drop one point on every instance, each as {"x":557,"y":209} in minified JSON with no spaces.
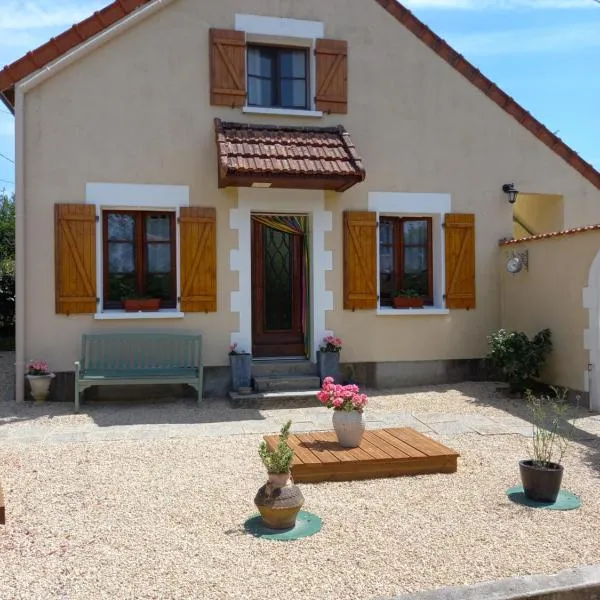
{"x":122,"y":196}
{"x":283,"y":32}
{"x":434,"y":206}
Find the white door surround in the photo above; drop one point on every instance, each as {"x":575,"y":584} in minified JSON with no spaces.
{"x":591,"y":336}
{"x":320,"y":221}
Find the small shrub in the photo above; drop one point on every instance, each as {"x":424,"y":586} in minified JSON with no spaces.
{"x":552,"y":431}
{"x":280,"y":459}
{"x":518,"y":358}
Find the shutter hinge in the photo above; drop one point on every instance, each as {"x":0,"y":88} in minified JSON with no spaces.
{"x":443,"y":296}
{"x":179,"y":299}
{"x":97,"y":300}
{"x":178,"y":219}
{"x":444,"y":225}
{"x":97,"y":218}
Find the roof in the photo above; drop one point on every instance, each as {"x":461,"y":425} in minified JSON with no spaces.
{"x":554,"y":234}
{"x":309,"y":157}
{"x":115,"y":11}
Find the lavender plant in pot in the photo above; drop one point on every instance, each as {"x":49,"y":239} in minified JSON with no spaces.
{"x":279,"y":500}
{"x":542,"y":474}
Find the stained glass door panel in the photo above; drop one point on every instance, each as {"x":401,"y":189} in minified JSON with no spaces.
{"x":277,"y":292}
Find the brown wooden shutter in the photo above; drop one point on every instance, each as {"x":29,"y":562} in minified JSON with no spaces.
{"x":460,"y":261}
{"x":227,"y":67}
{"x":360,"y":260}
{"x":75,"y":258}
{"x":332,"y":76}
{"x":198,"y":251}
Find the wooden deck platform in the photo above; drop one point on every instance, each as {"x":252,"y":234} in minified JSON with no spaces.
{"x":382,"y":453}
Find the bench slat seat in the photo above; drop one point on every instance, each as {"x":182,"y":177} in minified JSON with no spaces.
{"x":139,"y":358}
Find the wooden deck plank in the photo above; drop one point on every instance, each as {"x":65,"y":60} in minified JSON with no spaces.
{"x":379,"y":442}
{"x":408,"y":449}
{"x":382,"y":453}
{"x":420,"y":441}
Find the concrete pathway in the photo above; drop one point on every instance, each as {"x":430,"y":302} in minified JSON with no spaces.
{"x":217,"y":418}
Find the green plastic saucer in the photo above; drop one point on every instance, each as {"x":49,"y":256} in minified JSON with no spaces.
{"x":565,"y":501}
{"x":307,"y":524}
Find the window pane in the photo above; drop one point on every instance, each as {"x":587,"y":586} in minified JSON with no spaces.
{"x":260,"y":62}
{"x":120,"y":258}
{"x":121,"y":286}
{"x":278,"y":283}
{"x":121,"y":227}
{"x":416,"y":269}
{"x":387,"y":283}
{"x":260,"y":92}
{"x":159,"y":285}
{"x":159,"y":258}
{"x":293,"y":93}
{"x":293,"y":63}
{"x":158,"y":228}
{"x":415,"y":232}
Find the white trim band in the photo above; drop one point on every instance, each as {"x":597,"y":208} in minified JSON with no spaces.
{"x":298,"y":28}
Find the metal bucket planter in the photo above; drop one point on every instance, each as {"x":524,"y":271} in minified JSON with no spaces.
{"x":329,"y":365}
{"x":241,"y":371}
{"x":541,"y":483}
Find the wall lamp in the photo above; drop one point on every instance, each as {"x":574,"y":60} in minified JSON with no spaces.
{"x":510,"y":190}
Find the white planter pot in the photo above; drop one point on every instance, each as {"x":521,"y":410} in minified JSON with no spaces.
{"x":349,"y":427}
{"x":40,"y":386}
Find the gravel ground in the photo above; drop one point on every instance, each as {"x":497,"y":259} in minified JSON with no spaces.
{"x":163,"y":518}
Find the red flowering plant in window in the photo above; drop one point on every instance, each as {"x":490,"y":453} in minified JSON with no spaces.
{"x":341,"y":397}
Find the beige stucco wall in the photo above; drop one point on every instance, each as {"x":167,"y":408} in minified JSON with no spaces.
{"x":550,"y":294}
{"x":137,"y":110}
{"x":542,"y":213}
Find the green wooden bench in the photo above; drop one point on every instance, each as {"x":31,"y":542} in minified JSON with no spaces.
{"x":139,"y":359}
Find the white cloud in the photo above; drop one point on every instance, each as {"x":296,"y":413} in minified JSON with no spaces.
{"x":498,"y":4}
{"x":36,"y":14}
{"x":559,"y":39}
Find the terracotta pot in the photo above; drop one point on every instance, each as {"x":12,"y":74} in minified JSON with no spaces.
{"x":279,"y":506}
{"x":541,"y":484}
{"x":409,"y":302}
{"x":40,"y":386}
{"x":349,"y":427}
{"x":142,"y":305}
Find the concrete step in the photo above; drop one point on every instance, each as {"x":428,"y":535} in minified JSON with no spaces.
{"x":266,"y":400}
{"x":280,"y":367}
{"x":286,"y":383}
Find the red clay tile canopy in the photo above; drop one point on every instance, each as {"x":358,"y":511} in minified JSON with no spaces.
{"x":318,"y":158}
{"x":118,"y":9}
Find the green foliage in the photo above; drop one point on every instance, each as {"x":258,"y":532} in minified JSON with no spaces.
{"x":280,"y":459}
{"x":552,"y":431}
{"x":7,"y":264}
{"x":518,"y":358}
{"x":408,"y":293}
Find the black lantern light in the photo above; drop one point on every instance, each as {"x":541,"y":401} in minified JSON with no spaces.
{"x":510,"y":190}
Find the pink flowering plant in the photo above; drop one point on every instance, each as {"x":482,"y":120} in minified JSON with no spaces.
{"x":38,"y":367}
{"x":331,"y":344}
{"x":234,"y":349}
{"x":341,"y":397}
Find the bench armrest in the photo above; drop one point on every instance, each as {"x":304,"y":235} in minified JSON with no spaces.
{"x":77,"y":368}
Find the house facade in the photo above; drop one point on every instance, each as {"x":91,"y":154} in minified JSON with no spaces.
{"x":273,"y":172}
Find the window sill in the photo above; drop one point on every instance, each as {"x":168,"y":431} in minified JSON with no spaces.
{"x":290,"y":112}
{"x":385,"y":311}
{"x":115,"y":315}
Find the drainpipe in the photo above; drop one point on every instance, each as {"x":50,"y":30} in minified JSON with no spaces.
{"x":19,"y":245}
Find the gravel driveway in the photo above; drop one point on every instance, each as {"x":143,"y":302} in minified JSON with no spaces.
{"x":162,"y":519}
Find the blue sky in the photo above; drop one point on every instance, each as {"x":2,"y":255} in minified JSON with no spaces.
{"x":544,"y":53}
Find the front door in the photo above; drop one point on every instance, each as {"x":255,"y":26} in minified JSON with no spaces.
{"x":277,"y":291}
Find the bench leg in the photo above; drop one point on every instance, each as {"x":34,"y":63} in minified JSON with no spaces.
{"x":199,"y":390}
{"x":78,"y":393}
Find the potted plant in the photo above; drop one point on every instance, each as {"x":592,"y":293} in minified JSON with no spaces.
{"x":134,"y":302}
{"x":348,"y":406}
{"x":328,"y":358}
{"x":542,"y":474}
{"x":408,"y":298}
{"x":40,"y":378}
{"x":240,"y":363}
{"x":279,"y":500}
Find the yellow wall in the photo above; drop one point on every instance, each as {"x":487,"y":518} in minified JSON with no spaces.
{"x":550,"y":294}
{"x":137,"y":110}
{"x":541,"y":213}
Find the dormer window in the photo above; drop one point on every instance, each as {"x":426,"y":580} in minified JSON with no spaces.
{"x":278,"y":77}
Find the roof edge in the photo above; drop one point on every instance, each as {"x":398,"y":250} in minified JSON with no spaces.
{"x":551,"y":235}
{"x":490,"y":89}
